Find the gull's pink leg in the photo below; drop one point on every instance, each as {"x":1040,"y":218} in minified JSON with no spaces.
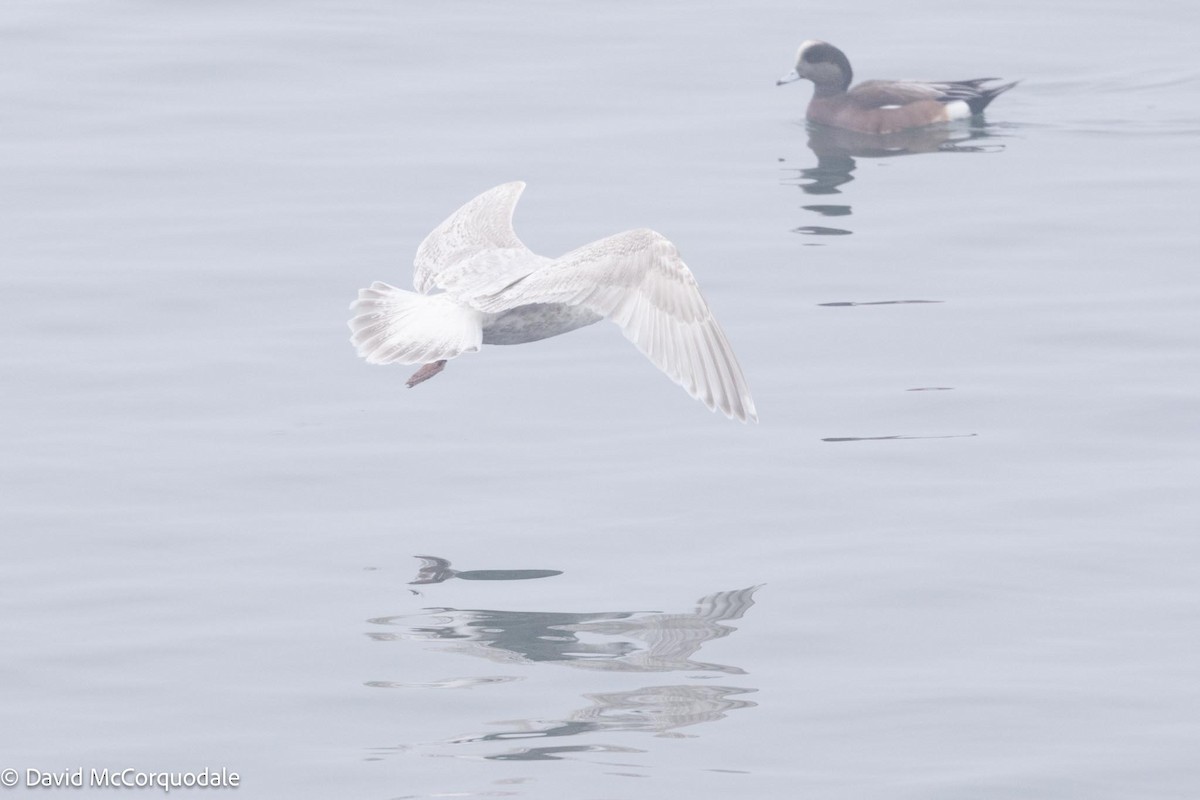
{"x":426,"y":372}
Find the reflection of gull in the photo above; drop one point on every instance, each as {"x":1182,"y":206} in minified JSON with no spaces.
{"x":507,"y":637}
{"x":660,"y":709}
{"x":434,"y":570}
{"x":447,"y":683}
{"x":494,"y":290}
{"x":672,"y":639}
{"x":627,"y":641}
{"x":653,"y":709}
{"x":601,"y":641}
{"x":882,"y":106}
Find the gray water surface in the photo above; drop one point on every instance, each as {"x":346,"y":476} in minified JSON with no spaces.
{"x":957,"y":557}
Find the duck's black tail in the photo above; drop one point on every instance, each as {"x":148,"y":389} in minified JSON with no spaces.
{"x":979,"y":96}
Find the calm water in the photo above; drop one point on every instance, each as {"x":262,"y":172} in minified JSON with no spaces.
{"x":958,"y":558}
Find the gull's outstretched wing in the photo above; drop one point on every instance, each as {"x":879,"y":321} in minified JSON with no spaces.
{"x":476,"y":250}
{"x":637,"y":280}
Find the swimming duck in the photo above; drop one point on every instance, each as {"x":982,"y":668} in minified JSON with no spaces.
{"x":494,"y":290}
{"x":882,"y":106}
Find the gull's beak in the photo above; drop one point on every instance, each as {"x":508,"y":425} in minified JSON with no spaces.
{"x":791,"y":76}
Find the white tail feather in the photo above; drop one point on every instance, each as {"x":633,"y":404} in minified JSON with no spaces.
{"x":394,"y":326}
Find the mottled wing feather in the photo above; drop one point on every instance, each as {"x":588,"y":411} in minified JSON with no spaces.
{"x":475,"y":249}
{"x":488,"y":272}
{"x":637,"y":280}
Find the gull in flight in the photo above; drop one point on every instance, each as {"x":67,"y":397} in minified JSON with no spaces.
{"x":478,"y":284}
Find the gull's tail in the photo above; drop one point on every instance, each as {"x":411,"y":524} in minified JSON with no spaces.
{"x":394,"y":326}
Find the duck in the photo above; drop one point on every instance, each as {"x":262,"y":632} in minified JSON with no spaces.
{"x":476,"y":283}
{"x":882,"y":106}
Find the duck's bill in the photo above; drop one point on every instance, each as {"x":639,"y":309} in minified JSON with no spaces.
{"x":791,"y":76}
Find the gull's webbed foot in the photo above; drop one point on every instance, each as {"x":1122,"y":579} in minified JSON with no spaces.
{"x":426,"y":372}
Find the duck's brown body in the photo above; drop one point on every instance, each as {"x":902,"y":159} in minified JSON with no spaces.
{"x":882,"y":107}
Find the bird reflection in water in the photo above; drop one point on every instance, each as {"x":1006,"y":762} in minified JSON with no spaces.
{"x":437,"y":570}
{"x":608,"y":641}
{"x":629,"y":641}
{"x":836,"y":150}
{"x":658,"y":710}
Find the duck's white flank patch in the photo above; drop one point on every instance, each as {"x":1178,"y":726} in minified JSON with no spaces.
{"x":958,"y":109}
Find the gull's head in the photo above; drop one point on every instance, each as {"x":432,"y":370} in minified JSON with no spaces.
{"x":823,"y":64}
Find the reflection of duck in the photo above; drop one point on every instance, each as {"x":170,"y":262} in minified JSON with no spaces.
{"x":494,"y":290}
{"x":828,"y":142}
{"x":882,"y":107}
{"x":437,"y":570}
{"x":837,"y":148}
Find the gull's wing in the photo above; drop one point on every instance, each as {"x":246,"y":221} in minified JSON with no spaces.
{"x":637,"y":280}
{"x":476,"y":250}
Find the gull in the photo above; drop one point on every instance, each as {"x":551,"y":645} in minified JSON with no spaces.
{"x":477,"y":283}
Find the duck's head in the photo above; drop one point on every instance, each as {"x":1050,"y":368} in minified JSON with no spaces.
{"x":824,"y":65}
